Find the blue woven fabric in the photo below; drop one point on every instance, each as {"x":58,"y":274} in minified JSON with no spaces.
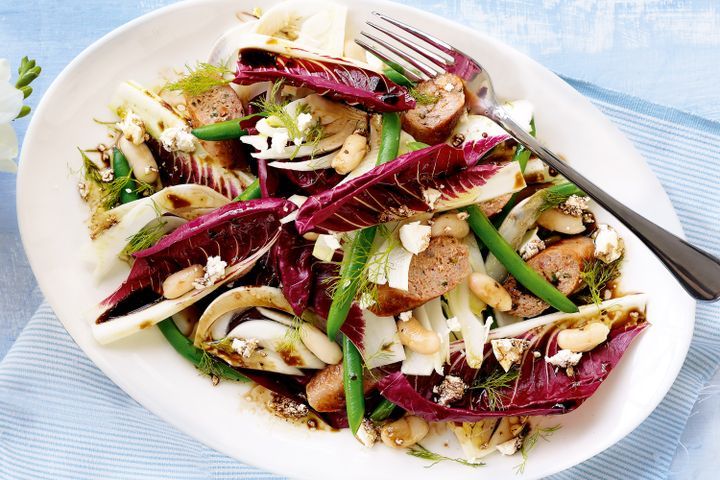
{"x":61,"y":418}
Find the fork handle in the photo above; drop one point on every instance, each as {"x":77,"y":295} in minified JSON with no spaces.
{"x":697,"y":271}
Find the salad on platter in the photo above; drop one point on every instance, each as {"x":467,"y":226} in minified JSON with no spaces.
{"x":295,"y":213}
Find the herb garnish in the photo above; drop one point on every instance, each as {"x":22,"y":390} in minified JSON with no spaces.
{"x":292,"y":335}
{"x":421,"y":452}
{"x":493,"y":383}
{"x":597,"y":274}
{"x":146,"y":237}
{"x":552,"y":198}
{"x":112,"y":190}
{"x":90,"y":170}
{"x":423,"y":98}
{"x":202,"y":78}
{"x":530,"y":442}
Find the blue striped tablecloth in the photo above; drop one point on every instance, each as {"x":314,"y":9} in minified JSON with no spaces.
{"x":61,"y":418}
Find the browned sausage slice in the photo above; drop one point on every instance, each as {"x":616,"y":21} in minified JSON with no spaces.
{"x":561,"y":264}
{"x":433,"y":272}
{"x":441,"y":102}
{"x":218,"y":105}
{"x":325,"y":392}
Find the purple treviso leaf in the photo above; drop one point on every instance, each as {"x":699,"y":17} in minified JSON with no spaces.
{"x":293,"y":257}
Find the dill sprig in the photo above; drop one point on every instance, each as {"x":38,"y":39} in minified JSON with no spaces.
{"x":90,"y":170}
{"x":493,"y":384}
{"x":292,"y":336}
{"x":202,"y":78}
{"x":146,"y":237}
{"x":212,"y":367}
{"x":419,"y":451}
{"x":113,"y":189}
{"x":423,"y":98}
{"x":597,"y":274}
{"x":530,"y":442}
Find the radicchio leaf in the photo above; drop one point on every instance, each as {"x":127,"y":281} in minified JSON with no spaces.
{"x":326,"y":75}
{"x":239,"y":233}
{"x":293,"y":257}
{"x":398,"y":189}
{"x":539,"y":389}
{"x":311,"y":183}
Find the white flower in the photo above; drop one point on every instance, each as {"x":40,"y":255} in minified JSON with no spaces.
{"x":11,"y":100}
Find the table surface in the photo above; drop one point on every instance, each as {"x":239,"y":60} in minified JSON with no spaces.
{"x":664,"y":51}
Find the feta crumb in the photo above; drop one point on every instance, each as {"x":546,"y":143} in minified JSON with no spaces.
{"x":258,"y":142}
{"x":537,"y":354}
{"x":366,"y":300}
{"x":368,"y":433}
{"x":177,"y":139}
{"x":448,"y":87}
{"x":304,"y":120}
{"x":107,"y":175}
{"x":431,"y":195}
{"x":511,"y":446}
{"x":450,"y":390}
{"x":462,"y":215}
{"x":279,"y":141}
{"x":531,"y":248}
{"x":132,"y":128}
{"x":325,"y":247}
{"x":509,"y":351}
{"x":214,"y":270}
{"x":453,"y":324}
{"x":83,"y":190}
{"x":564,"y":359}
{"x":286,"y":407}
{"x":574,"y":205}
{"x":415,"y":238}
{"x":608,"y":244}
{"x":405,"y":316}
{"x":245,"y":347}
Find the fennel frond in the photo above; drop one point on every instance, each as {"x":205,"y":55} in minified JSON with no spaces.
{"x":423,"y":98}
{"x":419,"y":451}
{"x":492,"y":385}
{"x":112,"y":190}
{"x":597,"y":275}
{"x":202,"y":78}
{"x":146,"y":237}
{"x":530,"y":442}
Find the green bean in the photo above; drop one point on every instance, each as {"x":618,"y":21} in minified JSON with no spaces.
{"x":522,"y":272}
{"x":412,"y":146}
{"x":227,"y":130}
{"x":121,"y":168}
{"x":184,"y":346}
{"x":389,"y":137}
{"x":353,"y":384}
{"x":383,"y":410}
{"x":251,"y":192}
{"x":397,"y":77}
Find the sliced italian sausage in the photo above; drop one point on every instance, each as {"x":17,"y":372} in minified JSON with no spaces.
{"x":325,"y":391}
{"x":433,"y":272}
{"x":218,"y":105}
{"x":561,"y":264}
{"x":440,"y":103}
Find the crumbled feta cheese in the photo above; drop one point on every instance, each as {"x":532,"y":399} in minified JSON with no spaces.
{"x":325,"y":247}
{"x":279,"y":141}
{"x":531,"y":248}
{"x":537,"y":354}
{"x":564,"y":358}
{"x":214,"y":270}
{"x":366,"y":300}
{"x":245,"y":347}
{"x":304,"y":121}
{"x":608,"y":244}
{"x":431,"y":195}
{"x":509,"y":351}
{"x":414,"y":237}
{"x":462,"y":215}
{"x":132,"y":128}
{"x":450,"y":390}
{"x":258,"y":142}
{"x":511,"y":446}
{"x":107,"y":175}
{"x":177,"y":139}
{"x":574,"y":205}
{"x":453,"y":324}
{"x":368,"y":433}
{"x":83,"y":190}
{"x":405,"y":316}
{"x":448,"y":87}
{"x":286,"y":407}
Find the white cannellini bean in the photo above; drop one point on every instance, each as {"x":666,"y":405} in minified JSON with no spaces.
{"x":557,"y":221}
{"x":311,"y":236}
{"x":404,"y":432}
{"x":319,"y":344}
{"x":490,"y":291}
{"x":583,"y":339}
{"x":351,"y":153}
{"x":449,"y":225}
{"x":179,"y":283}
{"x":417,"y":338}
{"x":141,"y":160}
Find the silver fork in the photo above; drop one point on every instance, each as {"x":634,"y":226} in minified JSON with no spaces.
{"x":697,"y":271}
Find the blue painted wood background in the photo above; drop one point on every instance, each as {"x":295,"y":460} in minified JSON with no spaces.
{"x":666,"y":51}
